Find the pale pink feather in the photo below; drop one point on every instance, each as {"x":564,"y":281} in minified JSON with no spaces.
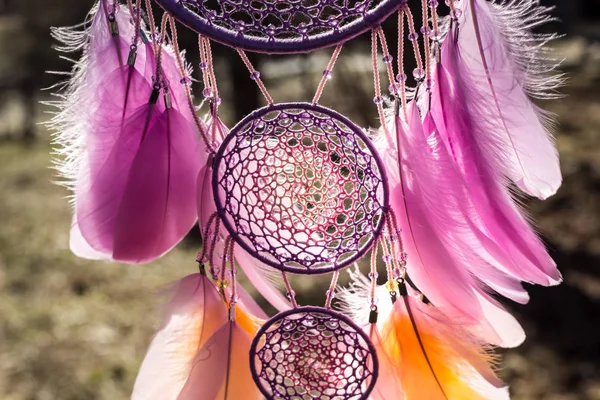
{"x":493,"y":76}
{"x":221,"y":368}
{"x":194,"y":314}
{"x":417,"y":196}
{"x":511,"y":241}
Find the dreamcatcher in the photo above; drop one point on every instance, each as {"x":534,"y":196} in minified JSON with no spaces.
{"x":297,"y":188}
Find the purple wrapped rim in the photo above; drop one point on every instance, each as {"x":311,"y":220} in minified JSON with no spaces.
{"x":256,"y":342}
{"x":366,"y":228}
{"x":369,"y":19}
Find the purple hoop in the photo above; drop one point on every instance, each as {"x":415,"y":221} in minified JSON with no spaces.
{"x":317,"y":23}
{"x":301,"y":188}
{"x":295,"y":341}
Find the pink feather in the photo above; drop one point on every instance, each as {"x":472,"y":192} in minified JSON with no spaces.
{"x":194,"y":314}
{"x":503,"y":229}
{"x":418,"y":196}
{"x":497,"y":62}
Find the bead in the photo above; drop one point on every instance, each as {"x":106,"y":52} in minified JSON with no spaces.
{"x":413,"y":36}
{"x":391,"y":285}
{"x":373,"y":275}
{"x":207,"y":92}
{"x":387,"y":59}
{"x":203,"y":65}
{"x":386,"y":258}
{"x":377,"y":99}
{"x":290,"y":295}
{"x":433,"y":3}
{"x":254,"y":75}
{"x":222,"y":283}
{"x":456,"y":13}
{"x":185,"y":81}
{"x":419,"y":73}
{"x":394,"y":89}
{"x":327,"y":74}
{"x":401,"y":77}
{"x":425,"y":30}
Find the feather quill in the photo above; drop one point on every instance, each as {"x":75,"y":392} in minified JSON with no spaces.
{"x":500,"y":63}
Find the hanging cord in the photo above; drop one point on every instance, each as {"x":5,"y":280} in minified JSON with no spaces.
{"x":255,"y":76}
{"x":211,"y":252}
{"x":413,"y":36}
{"x":223,"y":282}
{"x":211,"y":70}
{"x":378,"y":99}
{"x":202,"y":256}
{"x":426,"y":31}
{"x":373,"y":275}
{"x":388,"y":61}
{"x":152,"y":25}
{"x":327,"y":73}
{"x":186,"y":81}
{"x":291,"y":295}
{"x":233,"y":275}
{"x":401,"y":77}
{"x":331,"y":291}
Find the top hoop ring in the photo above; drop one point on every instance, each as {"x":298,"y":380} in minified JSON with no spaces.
{"x":280,"y":26}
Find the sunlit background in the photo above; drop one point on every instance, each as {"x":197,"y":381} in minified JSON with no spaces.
{"x":72,"y":329}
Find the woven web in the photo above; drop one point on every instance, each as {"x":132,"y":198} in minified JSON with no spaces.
{"x":313,"y":355}
{"x":300,"y":190}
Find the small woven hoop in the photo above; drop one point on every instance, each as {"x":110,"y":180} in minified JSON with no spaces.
{"x":301,"y":188}
{"x":314,"y":353}
{"x":280,"y":26}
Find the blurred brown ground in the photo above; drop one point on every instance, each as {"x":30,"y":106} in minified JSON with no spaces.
{"x":72,"y":329}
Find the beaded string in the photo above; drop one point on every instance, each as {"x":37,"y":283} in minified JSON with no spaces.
{"x":388,"y":62}
{"x":151,"y":25}
{"x":233,"y":275}
{"x":211,"y":70}
{"x":331,"y":291}
{"x":186,"y":82}
{"x":378,"y":99}
{"x":401,"y":77}
{"x":291,"y":295}
{"x":373,"y":275}
{"x":255,"y":76}
{"x":213,"y":244}
{"x":327,"y":73}
{"x":413,"y":36}
{"x":202,"y":256}
{"x":426,"y":31}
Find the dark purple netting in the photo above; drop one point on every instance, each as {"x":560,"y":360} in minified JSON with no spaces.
{"x":300,"y":187}
{"x":313,"y":353}
{"x":280,"y":26}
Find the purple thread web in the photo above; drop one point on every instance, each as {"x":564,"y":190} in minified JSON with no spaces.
{"x":300,"y":188}
{"x":280,"y":26}
{"x":313,"y":353}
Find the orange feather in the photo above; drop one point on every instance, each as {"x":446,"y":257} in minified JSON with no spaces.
{"x":436,"y":360}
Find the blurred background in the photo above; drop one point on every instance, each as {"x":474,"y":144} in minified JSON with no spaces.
{"x":72,"y":329}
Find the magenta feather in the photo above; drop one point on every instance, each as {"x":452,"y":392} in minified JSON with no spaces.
{"x":158,"y":208}
{"x":499,"y":63}
{"x":419,"y":184}
{"x":194,"y":314}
